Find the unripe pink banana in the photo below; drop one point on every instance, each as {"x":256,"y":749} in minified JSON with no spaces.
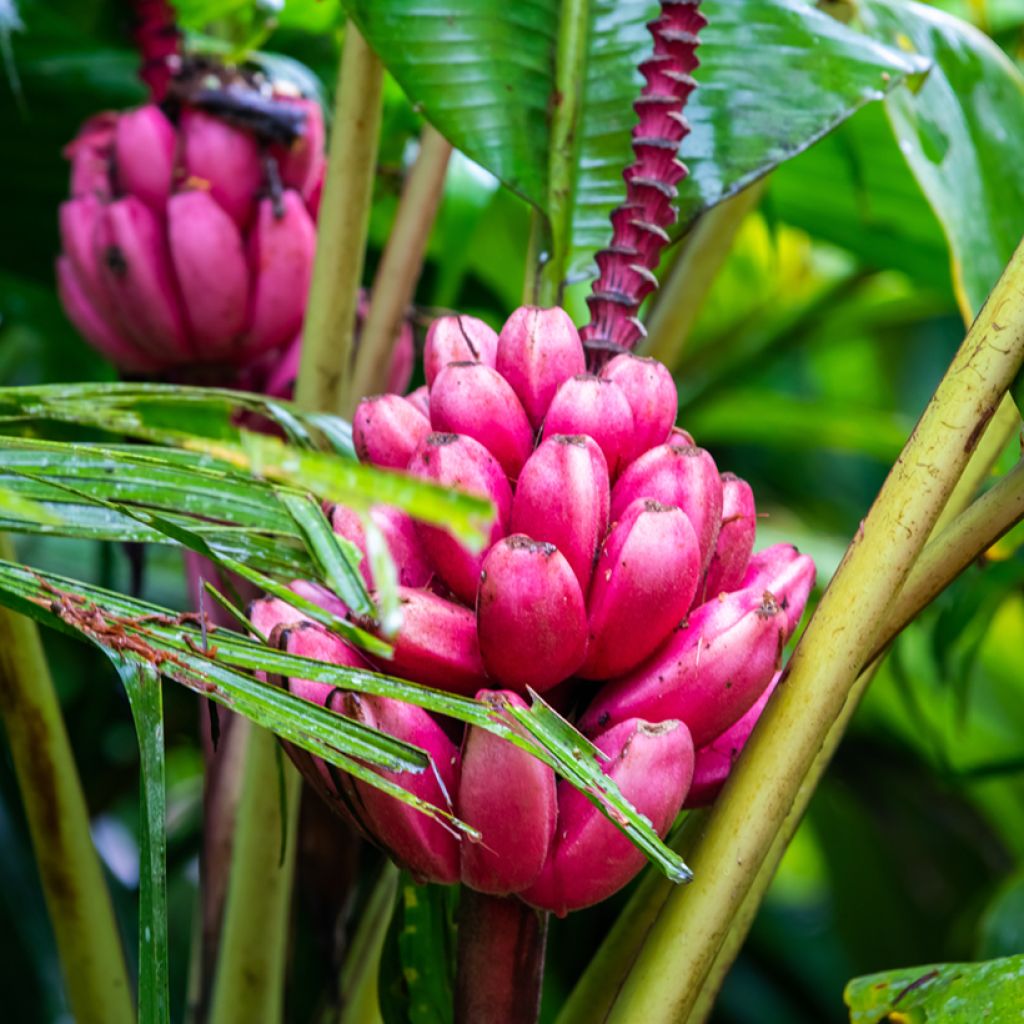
{"x":707,"y":675}
{"x":472,"y":399}
{"x":319,"y":595}
{"x":590,"y":405}
{"x":715,"y":760}
{"x":421,"y":399}
{"x":210,"y":265}
{"x":436,"y":644}
{"x":281,"y":252}
{"x":89,"y":153}
{"x":562,"y":498}
{"x":421,"y":845}
{"x":510,"y":798}
{"x":686,"y":477}
{"x":400,"y":535}
{"x":387,"y":429}
{"x":590,"y":858}
{"x":651,"y":393}
{"x":681,"y":438}
{"x":144,"y":150}
{"x":457,"y":461}
{"x":538,"y":350}
{"x":457,"y":339}
{"x":302,"y":163}
{"x":531,"y":618}
{"x":222,"y":159}
{"x":735,"y":539}
{"x":787,"y":575}
{"x":136,"y":271}
{"x":647,"y":572}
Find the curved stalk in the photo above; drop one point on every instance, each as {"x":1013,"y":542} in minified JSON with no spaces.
{"x":670,"y":971}
{"x":76,"y":892}
{"x":570,"y":65}
{"x":329,"y":329}
{"x":401,"y":263}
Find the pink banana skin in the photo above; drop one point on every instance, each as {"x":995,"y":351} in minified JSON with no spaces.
{"x":473,"y":399}
{"x":210,"y":265}
{"x":457,"y":339}
{"x":421,"y":845}
{"x":387,"y":430}
{"x":715,"y":761}
{"x":93,"y":326}
{"x":590,"y":858}
{"x":144,"y":149}
{"x":136,"y":271}
{"x":510,"y":798}
{"x":530,"y":615}
{"x":460,"y":462}
{"x":421,"y":399}
{"x":224,"y":160}
{"x":647,"y":572}
{"x":651,"y":393}
{"x":591,"y":405}
{"x":302,"y":163}
{"x":681,"y":438}
{"x":686,"y":477}
{"x":562,"y":498}
{"x":538,"y":350}
{"x":735,"y":539}
{"x":708,"y":674}
{"x":787,"y":575}
{"x":281,"y":263}
{"x":320,"y":596}
{"x":90,"y":153}
{"x":414,"y":570}
{"x":437,"y":644}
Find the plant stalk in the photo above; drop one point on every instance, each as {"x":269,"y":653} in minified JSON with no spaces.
{"x":329,"y":328}
{"x":570,"y":68}
{"x":500,"y":968}
{"x":677,"y":303}
{"x":665,"y":983}
{"x":76,"y":892}
{"x":394,"y":284}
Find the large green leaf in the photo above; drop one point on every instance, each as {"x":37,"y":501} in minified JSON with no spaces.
{"x":962,"y":134}
{"x":992,"y":992}
{"x":775,"y":76}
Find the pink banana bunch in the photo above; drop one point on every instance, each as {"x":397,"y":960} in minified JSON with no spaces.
{"x":617,"y":579}
{"x":188,"y":237}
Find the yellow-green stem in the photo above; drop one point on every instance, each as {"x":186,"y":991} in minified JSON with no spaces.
{"x":76,"y":893}
{"x":678,"y":301}
{"x":329,"y":329}
{"x":570,"y":68}
{"x":249,"y":983}
{"x":395,"y":281}
{"x":665,"y":983}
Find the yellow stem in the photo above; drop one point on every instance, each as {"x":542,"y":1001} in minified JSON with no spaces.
{"x":395,"y":281}
{"x":666,"y":981}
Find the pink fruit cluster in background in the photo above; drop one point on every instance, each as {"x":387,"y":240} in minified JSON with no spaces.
{"x":189,"y":234}
{"x":617,"y":580}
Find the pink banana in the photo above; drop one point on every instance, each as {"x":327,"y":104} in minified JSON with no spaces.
{"x":457,"y":461}
{"x":531,"y":619}
{"x":509,"y":797}
{"x":210,"y":265}
{"x":787,"y":575}
{"x":562,"y":498}
{"x":281,"y":262}
{"x":473,"y":399}
{"x":590,"y":858}
{"x":437,"y":644}
{"x":707,"y":675}
{"x":302,"y":163}
{"x":421,"y":399}
{"x":387,"y":430}
{"x":91,"y":153}
{"x":144,"y":150}
{"x":538,"y":350}
{"x":590,"y":405}
{"x":686,"y":477}
{"x":222,"y":159}
{"x":651,"y":393}
{"x":414,"y":570}
{"x":735,"y":539}
{"x":646,"y":575}
{"x":457,"y":339}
